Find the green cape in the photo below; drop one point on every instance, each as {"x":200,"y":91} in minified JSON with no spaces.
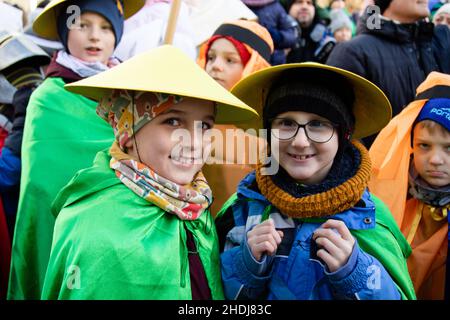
{"x":62,"y":135}
{"x":109,"y":243}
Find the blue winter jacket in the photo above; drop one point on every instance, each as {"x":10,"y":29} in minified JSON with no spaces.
{"x":10,"y":168}
{"x":295,"y":272}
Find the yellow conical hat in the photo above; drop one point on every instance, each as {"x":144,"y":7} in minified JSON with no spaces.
{"x":166,"y":69}
{"x":371,"y":108}
{"x":45,"y":24}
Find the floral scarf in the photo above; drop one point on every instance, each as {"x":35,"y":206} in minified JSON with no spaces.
{"x":187,"y":202}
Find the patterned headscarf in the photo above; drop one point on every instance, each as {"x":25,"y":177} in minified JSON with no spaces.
{"x":127,"y":112}
{"x":125,"y":118}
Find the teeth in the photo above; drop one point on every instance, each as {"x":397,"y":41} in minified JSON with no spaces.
{"x":303,"y":157}
{"x":185,"y":160}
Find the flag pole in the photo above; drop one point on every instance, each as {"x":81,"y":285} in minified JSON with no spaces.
{"x":172,"y":22}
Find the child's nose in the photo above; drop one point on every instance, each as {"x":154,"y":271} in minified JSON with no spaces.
{"x":301,"y":139}
{"x":436,"y":157}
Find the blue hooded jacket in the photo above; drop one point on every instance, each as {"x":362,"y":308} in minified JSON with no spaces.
{"x":295,"y":272}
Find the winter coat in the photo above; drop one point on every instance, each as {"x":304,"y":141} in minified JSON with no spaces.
{"x":62,"y":135}
{"x":281,"y":26}
{"x":395,"y":57}
{"x":109,"y":243}
{"x":376,"y":268}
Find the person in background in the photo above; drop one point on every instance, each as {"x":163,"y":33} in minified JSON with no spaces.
{"x":313,"y":43}
{"x":411,"y":174}
{"x":340,"y":26}
{"x":62,"y":132}
{"x":442,"y":15}
{"x":235,"y":50}
{"x":340,"y":5}
{"x":282,"y":27}
{"x":398,"y":54}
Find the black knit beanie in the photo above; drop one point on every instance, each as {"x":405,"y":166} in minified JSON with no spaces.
{"x":382,"y":4}
{"x":288,"y":4}
{"x":317,"y":91}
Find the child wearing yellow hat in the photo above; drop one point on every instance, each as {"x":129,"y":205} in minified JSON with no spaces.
{"x":136,"y":225}
{"x":62,"y":132}
{"x":311,"y":230}
{"x":411,"y":174}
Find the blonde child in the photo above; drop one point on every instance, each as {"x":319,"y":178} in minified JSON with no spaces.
{"x":62,"y":133}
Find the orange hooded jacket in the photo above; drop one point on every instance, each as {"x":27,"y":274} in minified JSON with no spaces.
{"x":391,"y":154}
{"x":224,"y":178}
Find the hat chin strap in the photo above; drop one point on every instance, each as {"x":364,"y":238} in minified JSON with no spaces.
{"x":132,"y":130}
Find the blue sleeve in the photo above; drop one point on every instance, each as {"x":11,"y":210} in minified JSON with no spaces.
{"x":10,"y":166}
{"x":288,"y":31}
{"x":243,"y":277}
{"x":363,"y":278}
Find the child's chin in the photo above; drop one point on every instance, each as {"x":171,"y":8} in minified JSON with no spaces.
{"x":183,"y":179}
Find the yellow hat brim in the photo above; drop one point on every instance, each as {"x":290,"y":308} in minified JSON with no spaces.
{"x":45,"y":24}
{"x":372,"y":109}
{"x":166,"y":69}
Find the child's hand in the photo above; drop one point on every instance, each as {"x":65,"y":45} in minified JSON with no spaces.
{"x":264,"y":238}
{"x":336,"y":245}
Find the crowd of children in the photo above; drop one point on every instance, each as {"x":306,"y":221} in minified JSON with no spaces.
{"x":113,"y":183}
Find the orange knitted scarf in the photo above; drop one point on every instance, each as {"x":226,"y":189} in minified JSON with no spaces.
{"x":335,"y":200}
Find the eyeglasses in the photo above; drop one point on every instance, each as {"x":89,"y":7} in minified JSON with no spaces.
{"x":318,"y":131}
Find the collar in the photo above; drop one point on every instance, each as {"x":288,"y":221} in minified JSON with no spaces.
{"x":55,"y":70}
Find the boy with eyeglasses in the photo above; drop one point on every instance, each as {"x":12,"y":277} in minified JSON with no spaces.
{"x":312,"y":231}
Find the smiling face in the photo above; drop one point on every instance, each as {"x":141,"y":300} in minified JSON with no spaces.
{"x":407,"y":11}
{"x":431,"y":149}
{"x":178,"y":160}
{"x":92,"y":40}
{"x":305,"y":161}
{"x":224,"y":63}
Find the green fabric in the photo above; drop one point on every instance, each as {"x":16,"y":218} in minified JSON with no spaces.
{"x":109,"y":243}
{"x":62,"y":135}
{"x":385,"y":242}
